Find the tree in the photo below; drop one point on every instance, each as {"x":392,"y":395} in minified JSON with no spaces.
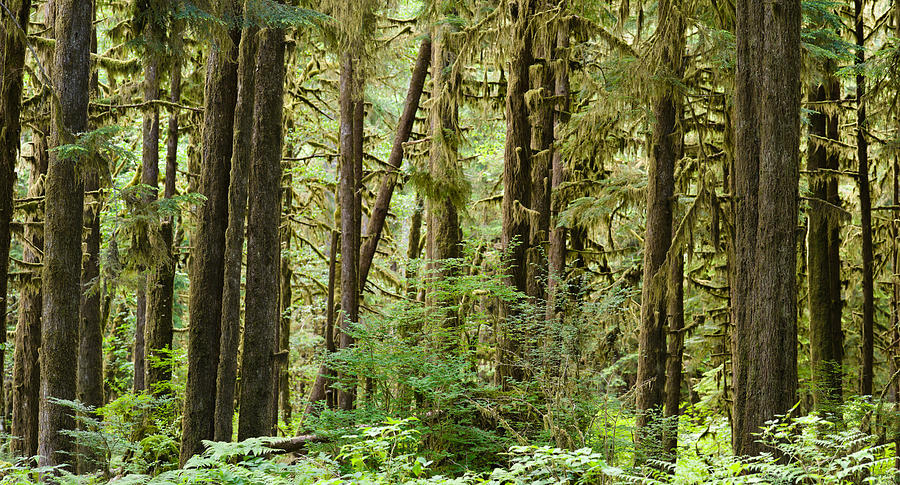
{"x":664,"y":153}
{"x":823,"y":253}
{"x":765,"y":208}
{"x":515,"y":233}
{"x":556,"y":258}
{"x":64,"y":200}
{"x":207,"y":272}
{"x":867,"y":371}
{"x":258,"y":364}
{"x":234,"y":234}
{"x":12,"y":58}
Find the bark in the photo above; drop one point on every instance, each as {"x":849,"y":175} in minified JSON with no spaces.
{"x":395,"y":160}
{"x":557,"y":252}
{"x":161,"y":284}
{"x":234,"y":235}
{"x":64,"y":201}
{"x":26,"y":366}
{"x":765,"y":205}
{"x":321,"y":390}
{"x":865,"y":209}
{"x":674,"y":356}
{"x":443,"y":229}
{"x":349,"y":97}
{"x":515,"y":229}
{"x":258,"y":362}
{"x":542,"y":124}
{"x":90,"y":342}
{"x":139,"y":349}
{"x":207,"y":274}
{"x":823,"y":253}
{"x":414,"y":248}
{"x":286,"y":299}
{"x":664,"y":153}
{"x":12,"y":58}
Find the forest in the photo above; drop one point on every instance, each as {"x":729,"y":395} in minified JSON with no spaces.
{"x":450,"y":241}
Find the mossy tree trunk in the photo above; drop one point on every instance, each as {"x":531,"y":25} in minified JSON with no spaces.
{"x":64,"y":202}
{"x":258,"y":361}
{"x":823,"y":246}
{"x":515,"y":231}
{"x":234,"y":235}
{"x":12,"y":58}
{"x":665,"y":149}
{"x":867,"y":370}
{"x":207,"y":258}
{"x":557,"y":252}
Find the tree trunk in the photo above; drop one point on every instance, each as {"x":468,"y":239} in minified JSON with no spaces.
{"x":234,"y":235}
{"x":674,"y":356}
{"x":286,"y":300}
{"x":765,"y":205}
{"x":207,"y":259}
{"x":161,"y":285}
{"x":557,"y":253}
{"x":12,"y":57}
{"x":139,"y":349}
{"x":26,"y":366}
{"x":395,"y":160}
{"x":823,"y":251}
{"x":543,"y":83}
{"x":664,"y":153}
{"x":64,"y":202}
{"x":258,"y":362}
{"x":321,"y":389}
{"x":443,"y":229}
{"x":515,"y":229}
{"x":414,"y":247}
{"x":349,"y":98}
{"x":867,"y":371}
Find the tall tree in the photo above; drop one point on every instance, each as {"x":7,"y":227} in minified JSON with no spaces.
{"x":207,"y":272}
{"x":664,"y":153}
{"x":443,"y":235}
{"x":867,"y":372}
{"x":823,"y":246}
{"x":557,"y":253}
{"x":234,"y":234}
{"x":12,"y":50}
{"x":258,"y":362}
{"x":765,"y":207}
{"x":161,"y":282}
{"x":64,"y":202}
{"x":515,"y":231}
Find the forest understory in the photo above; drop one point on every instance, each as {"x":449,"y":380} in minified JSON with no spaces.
{"x":450,"y":242}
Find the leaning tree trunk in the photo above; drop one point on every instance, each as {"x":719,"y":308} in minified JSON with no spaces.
{"x":765,"y":206}
{"x":64,"y":201}
{"x":207,"y":258}
{"x":823,"y":248}
{"x":234,"y":235}
{"x":867,"y":372}
{"x":395,"y":159}
{"x":258,"y":362}
{"x":515,"y":231}
{"x":12,"y":58}
{"x":664,"y":153}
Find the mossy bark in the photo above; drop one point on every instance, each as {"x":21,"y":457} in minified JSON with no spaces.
{"x":64,"y":201}
{"x":207,"y":258}
{"x":258,"y":361}
{"x":515,"y":231}
{"x":823,"y":248}
{"x":234,"y":234}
